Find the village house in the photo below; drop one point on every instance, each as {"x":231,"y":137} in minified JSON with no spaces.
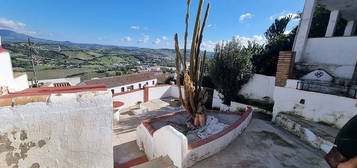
{"x":124,"y":83}
{"x":58,"y":82}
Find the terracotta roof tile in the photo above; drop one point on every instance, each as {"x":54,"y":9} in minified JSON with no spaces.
{"x":122,"y":80}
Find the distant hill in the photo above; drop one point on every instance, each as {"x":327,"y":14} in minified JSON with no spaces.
{"x":85,"y":60}
{"x":9,"y":36}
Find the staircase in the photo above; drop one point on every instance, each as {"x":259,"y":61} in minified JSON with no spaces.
{"x":161,"y":162}
{"x":127,"y":155}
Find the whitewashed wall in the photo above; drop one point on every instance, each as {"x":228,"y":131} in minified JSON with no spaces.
{"x":71,"y":130}
{"x":340,"y":51}
{"x":21,"y":82}
{"x":174,"y":91}
{"x":6,"y":73}
{"x":131,"y":98}
{"x":259,"y":87}
{"x":117,"y":89}
{"x":326,"y":108}
{"x":159,"y":92}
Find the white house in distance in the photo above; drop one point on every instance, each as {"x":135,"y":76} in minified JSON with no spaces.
{"x":335,"y":55}
{"x":59,"y":82}
{"x":125,"y":83}
{"x":10,"y":81}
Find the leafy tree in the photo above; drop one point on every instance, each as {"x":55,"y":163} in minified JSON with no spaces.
{"x":230,"y":68}
{"x":265,"y":58}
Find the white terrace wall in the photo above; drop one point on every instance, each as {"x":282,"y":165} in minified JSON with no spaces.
{"x":137,"y":85}
{"x":160,"y":92}
{"x":131,"y":98}
{"x":341,"y":52}
{"x":71,"y":130}
{"x":21,"y":82}
{"x":259,"y":87}
{"x":314,"y":106}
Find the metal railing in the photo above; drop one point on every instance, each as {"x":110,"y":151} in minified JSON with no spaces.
{"x":347,"y":89}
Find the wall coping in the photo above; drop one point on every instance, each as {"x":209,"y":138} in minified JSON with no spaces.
{"x":136,"y":90}
{"x":211,"y":138}
{"x":45,"y":91}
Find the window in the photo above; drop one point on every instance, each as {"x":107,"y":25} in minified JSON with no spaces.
{"x":131,"y":87}
{"x":139,"y":85}
{"x":122,"y":89}
{"x":147,"y":83}
{"x":112,"y":91}
{"x":153,"y":82}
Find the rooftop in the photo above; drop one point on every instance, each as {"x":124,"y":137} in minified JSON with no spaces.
{"x":122,"y":80}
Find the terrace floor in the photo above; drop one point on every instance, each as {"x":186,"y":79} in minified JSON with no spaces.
{"x":262,"y":145}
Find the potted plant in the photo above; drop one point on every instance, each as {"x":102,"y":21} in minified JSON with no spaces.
{"x":194,"y":96}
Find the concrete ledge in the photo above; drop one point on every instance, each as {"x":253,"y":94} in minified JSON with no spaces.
{"x":307,"y":134}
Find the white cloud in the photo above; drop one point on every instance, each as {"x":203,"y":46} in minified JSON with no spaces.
{"x":245,"y":16}
{"x":15,"y":26}
{"x":256,"y":38}
{"x":126,"y":39}
{"x":164,"y":38}
{"x":135,"y":27}
{"x":145,"y":39}
{"x":208,"y":45}
{"x":210,"y":25}
{"x":157,"y":41}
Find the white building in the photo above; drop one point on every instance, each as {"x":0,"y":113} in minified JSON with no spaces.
{"x":326,"y":90}
{"x":59,"y":81}
{"x":10,"y":81}
{"x":125,"y":83}
{"x":335,"y":55}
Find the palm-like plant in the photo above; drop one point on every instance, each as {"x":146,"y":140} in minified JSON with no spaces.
{"x":194,"y":96}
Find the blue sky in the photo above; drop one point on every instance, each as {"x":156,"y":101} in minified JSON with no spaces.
{"x":141,"y":23}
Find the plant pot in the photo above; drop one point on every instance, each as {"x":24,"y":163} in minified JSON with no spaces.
{"x":201,"y":119}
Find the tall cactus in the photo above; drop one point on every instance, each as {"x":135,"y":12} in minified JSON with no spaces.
{"x":194,"y":96}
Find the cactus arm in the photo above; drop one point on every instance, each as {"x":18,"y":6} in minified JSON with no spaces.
{"x":203,"y":27}
{"x":186,"y":33}
{"x":195,"y":36}
{"x":178,"y":69}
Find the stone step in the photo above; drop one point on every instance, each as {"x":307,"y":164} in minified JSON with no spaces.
{"x":316,"y":134}
{"x":128,"y":154}
{"x":161,"y":162}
